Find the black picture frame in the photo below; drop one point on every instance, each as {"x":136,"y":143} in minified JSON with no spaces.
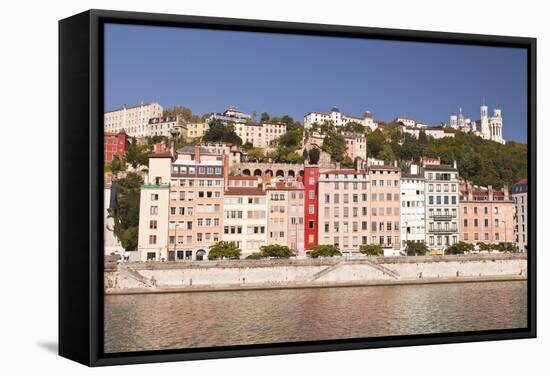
{"x":81,"y":183}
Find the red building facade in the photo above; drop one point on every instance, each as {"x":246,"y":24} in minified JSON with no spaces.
{"x":113,"y":144}
{"x":311,"y":206}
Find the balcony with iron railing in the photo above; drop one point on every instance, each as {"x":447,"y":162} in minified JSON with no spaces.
{"x":449,"y":230}
{"x":443,"y":217}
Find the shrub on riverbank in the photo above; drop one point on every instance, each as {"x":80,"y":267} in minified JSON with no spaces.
{"x":371,"y":250}
{"x":325,"y":250}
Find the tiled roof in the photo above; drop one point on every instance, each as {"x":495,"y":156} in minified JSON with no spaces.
{"x":161,"y":155}
{"x":243,"y":177}
{"x":348,"y":171}
{"x":244,"y":191}
{"x":521,"y":182}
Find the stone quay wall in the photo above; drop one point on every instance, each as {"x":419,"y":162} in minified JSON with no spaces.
{"x":245,"y":274}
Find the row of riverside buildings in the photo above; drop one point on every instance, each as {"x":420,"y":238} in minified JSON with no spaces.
{"x":189,"y":201}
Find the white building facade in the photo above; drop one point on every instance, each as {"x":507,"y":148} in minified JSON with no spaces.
{"x":338,"y":119}
{"x":521,"y":219}
{"x":413,"y":211}
{"x":487,"y":127}
{"x":442,"y":200}
{"x":245,"y":218}
{"x":133,"y":120}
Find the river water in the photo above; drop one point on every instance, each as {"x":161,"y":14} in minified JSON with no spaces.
{"x":190,"y":320}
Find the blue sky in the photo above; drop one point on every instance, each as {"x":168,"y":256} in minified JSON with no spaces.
{"x":209,"y":70}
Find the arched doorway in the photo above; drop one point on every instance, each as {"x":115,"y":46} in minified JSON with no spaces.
{"x":257,"y":172}
{"x":246,"y":172}
{"x":280,"y":173}
{"x":301,"y":172}
{"x":269,"y":172}
{"x":291,"y":174}
{"x":200,"y":255}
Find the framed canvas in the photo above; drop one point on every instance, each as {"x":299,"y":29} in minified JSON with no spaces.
{"x":234,"y":187}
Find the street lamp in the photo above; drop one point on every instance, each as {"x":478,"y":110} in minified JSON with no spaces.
{"x":505,"y":238}
{"x":175,"y":239}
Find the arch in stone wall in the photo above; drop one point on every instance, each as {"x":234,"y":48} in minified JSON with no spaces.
{"x":257,"y":172}
{"x":246,"y":172}
{"x":280,"y":173}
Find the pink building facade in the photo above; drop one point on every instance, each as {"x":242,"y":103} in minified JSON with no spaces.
{"x":385,"y":206}
{"x":344,"y":209}
{"x":486,"y":215}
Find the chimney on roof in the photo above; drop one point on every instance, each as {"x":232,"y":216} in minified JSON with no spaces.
{"x":490,"y":192}
{"x":506,"y":192}
{"x":197,"y":154}
{"x":454,"y":163}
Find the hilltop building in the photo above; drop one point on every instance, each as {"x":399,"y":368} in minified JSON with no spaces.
{"x":259,"y":134}
{"x":338,"y":119}
{"x":231,"y":115}
{"x":488,"y":127}
{"x":132,"y":120}
{"x":166,"y":126}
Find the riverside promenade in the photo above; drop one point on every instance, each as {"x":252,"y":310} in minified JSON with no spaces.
{"x":231,"y":275}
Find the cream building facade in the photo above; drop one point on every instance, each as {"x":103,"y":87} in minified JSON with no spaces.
{"x":245,"y":217}
{"x":259,"y":134}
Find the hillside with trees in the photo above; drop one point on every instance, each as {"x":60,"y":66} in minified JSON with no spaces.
{"x":481,"y":161}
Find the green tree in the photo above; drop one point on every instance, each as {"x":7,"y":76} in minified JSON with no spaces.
{"x":117,"y":165}
{"x":126,"y":213}
{"x":347,"y":162}
{"x":276,"y":251}
{"x":224,"y":250}
{"x":459,"y":248}
{"x":507,"y":247}
{"x":335,"y":145}
{"x":255,"y":256}
{"x":416,"y":249}
{"x":487,"y":247}
{"x":219,"y":132}
{"x":264,"y":117}
{"x":137,"y":155}
{"x":371,"y":250}
{"x":314,"y":156}
{"x":184,"y":112}
{"x":375,"y":142}
{"x":256,"y":155}
{"x":325,"y":250}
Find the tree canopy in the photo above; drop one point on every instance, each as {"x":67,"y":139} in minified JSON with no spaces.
{"x":324,"y":250}
{"x":126,"y":213}
{"x":459,"y":248}
{"x":276,"y":251}
{"x":371,"y":250}
{"x":224,"y":250}
{"x":416,"y":248}
{"x":219,"y":132}
{"x":184,"y":112}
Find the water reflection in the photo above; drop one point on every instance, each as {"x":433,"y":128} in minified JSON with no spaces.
{"x":184,"y":320}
